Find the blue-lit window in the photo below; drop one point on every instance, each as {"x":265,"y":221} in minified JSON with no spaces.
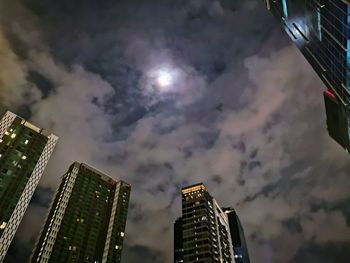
{"x":319,"y":30}
{"x":285,"y":8}
{"x":348,"y":60}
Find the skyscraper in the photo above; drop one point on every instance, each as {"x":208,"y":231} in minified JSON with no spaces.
{"x":320,"y":29}
{"x":205,"y":232}
{"x":24,"y":152}
{"x":86,"y":222}
{"x":237,"y":236}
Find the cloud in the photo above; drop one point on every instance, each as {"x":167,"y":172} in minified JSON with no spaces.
{"x":72,"y":111}
{"x":319,"y":220}
{"x":15,"y":89}
{"x":328,"y":252}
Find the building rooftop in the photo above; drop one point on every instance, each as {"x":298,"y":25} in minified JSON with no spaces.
{"x":102,"y":175}
{"x":32,"y":126}
{"x":193,"y":188}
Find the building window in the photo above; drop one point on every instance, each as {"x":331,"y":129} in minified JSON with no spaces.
{"x":285,"y":8}
{"x":319,"y":30}
{"x":3,"y":225}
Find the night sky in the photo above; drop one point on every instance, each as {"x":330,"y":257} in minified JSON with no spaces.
{"x":167,"y":93}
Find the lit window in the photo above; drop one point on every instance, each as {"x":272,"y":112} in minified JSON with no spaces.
{"x":3,"y":225}
{"x":24,"y":157}
{"x":319,"y":27}
{"x":285,"y":8}
{"x":13,"y":135}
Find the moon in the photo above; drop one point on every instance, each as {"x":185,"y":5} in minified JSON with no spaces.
{"x":164,"y":78}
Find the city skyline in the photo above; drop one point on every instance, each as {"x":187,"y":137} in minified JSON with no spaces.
{"x":163,"y":94}
{"x":57,"y":243}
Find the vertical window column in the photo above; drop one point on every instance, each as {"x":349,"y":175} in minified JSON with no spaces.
{"x":285,"y":8}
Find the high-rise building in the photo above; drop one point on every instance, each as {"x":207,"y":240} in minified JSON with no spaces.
{"x":239,"y":244}
{"x":205,"y":232}
{"x":178,"y":241}
{"x":24,"y":152}
{"x":320,"y":29}
{"x":86,"y":221}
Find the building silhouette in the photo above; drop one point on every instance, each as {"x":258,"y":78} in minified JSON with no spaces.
{"x":320,"y":30}
{"x":24,"y":152}
{"x":87,"y":219}
{"x":239,"y":244}
{"x":178,"y":241}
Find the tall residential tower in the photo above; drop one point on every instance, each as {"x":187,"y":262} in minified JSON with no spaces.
{"x":86,"y":222}
{"x":320,"y":29}
{"x":24,"y":152}
{"x":207,"y":233}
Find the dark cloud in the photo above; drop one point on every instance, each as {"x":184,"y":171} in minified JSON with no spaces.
{"x":141,"y":252}
{"x":42,"y":83}
{"x":292,"y":225}
{"x":42,"y":196}
{"x":217,"y":179}
{"x":329,"y":252}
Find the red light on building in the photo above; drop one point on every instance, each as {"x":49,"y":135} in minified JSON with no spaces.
{"x":330,"y":94}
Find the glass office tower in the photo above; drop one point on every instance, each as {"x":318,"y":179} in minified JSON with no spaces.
{"x":24,"y":152}
{"x":204,"y":232}
{"x":239,"y":244}
{"x":320,"y":29}
{"x":87,"y":219}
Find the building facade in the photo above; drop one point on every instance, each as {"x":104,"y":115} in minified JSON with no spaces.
{"x":178,"y":241}
{"x":24,"y":152}
{"x":203,"y":233}
{"x":320,"y":29}
{"x":87,"y":219}
{"x":239,"y":243}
